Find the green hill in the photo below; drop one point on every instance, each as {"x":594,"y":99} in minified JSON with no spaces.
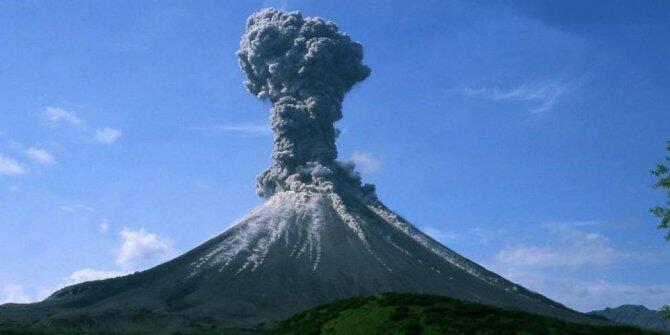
{"x":425,"y":314}
{"x":396,"y":313}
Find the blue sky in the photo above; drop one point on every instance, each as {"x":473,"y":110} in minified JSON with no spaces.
{"x":519,"y":133}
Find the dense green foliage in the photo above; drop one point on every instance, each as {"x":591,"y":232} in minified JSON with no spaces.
{"x":662,"y":173}
{"x":51,"y":331}
{"x":425,"y":314}
{"x":38,"y":331}
{"x":395,"y":313}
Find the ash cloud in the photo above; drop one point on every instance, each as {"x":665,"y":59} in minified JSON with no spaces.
{"x":304,"y":67}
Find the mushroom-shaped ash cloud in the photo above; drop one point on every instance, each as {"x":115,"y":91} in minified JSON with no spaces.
{"x":304,"y":67}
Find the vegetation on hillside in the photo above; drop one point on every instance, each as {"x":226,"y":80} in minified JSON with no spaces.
{"x":424,"y":314}
{"x":665,"y":312}
{"x":52,"y":331}
{"x":41,"y":331}
{"x":395,"y":313}
{"x":662,"y":173}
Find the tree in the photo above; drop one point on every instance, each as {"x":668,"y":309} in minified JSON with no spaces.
{"x":665,"y":312}
{"x":662,"y":172}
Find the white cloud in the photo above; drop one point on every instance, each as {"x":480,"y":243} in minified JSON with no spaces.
{"x":55,"y":115}
{"x":10,"y":167}
{"x":566,"y":264}
{"x":14,"y":294}
{"x":85,"y":275}
{"x":40,"y":156}
{"x":107,"y":135}
{"x":67,"y":209}
{"x":569,"y":247}
{"x":78,"y":277}
{"x":140,"y":247}
{"x":244,"y":129}
{"x":104,"y":226}
{"x":588,"y":295}
{"x":75,"y":208}
{"x":544,"y":95}
{"x":365,"y":161}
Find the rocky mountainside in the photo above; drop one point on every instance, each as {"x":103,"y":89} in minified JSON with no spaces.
{"x":296,"y":251}
{"x":635,"y":315}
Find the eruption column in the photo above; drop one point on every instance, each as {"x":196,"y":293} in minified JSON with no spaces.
{"x":304,"y":67}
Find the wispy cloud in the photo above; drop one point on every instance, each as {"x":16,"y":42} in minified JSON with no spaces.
{"x":543,"y":96}
{"x":10,"y":166}
{"x":103,"y":226}
{"x":241,"y":129}
{"x":140,"y":247}
{"x":75,"y":208}
{"x":14,"y":294}
{"x":367,"y":162}
{"x":57,"y":115}
{"x":588,"y":295}
{"x":86,"y":275}
{"x":570,"y":247}
{"x":40,"y":156}
{"x":107,"y":135}
{"x":561,"y":265}
{"x":76,"y":277}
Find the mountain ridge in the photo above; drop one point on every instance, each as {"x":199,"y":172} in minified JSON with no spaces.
{"x":635,"y":315}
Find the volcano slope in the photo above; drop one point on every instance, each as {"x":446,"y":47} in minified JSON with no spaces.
{"x":296,"y":251}
{"x":321,"y":235}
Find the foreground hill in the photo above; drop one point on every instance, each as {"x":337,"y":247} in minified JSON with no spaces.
{"x":394,"y":313}
{"x":635,"y":315}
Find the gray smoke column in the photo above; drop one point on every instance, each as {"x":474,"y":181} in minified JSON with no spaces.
{"x":304,"y":67}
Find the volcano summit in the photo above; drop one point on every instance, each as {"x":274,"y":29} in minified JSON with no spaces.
{"x":321,"y":235}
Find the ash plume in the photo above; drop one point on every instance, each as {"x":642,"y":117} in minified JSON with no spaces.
{"x":304,"y":67}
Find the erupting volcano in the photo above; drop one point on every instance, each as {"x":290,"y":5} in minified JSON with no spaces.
{"x":321,"y":234}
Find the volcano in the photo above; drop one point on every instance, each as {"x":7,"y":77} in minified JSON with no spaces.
{"x":321,"y":234}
